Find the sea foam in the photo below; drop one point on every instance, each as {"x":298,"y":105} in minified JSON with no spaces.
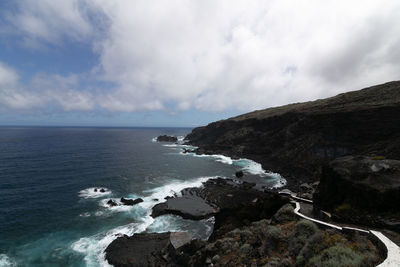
{"x":246,"y":165}
{"x":93,"y":247}
{"x":90,"y":193}
{"x":6,"y":261}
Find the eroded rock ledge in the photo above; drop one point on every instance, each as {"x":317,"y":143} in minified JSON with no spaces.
{"x":361,"y":190}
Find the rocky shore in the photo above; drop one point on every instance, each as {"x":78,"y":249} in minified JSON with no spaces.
{"x":316,"y":146}
{"x":252,"y":228}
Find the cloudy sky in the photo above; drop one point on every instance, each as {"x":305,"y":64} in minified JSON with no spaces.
{"x":186,"y":63}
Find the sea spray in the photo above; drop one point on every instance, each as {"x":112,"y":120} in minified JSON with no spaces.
{"x":6,"y":261}
{"x":246,"y":165}
{"x":94,"y":192}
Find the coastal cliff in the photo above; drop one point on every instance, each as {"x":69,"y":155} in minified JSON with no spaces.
{"x":297,"y":139}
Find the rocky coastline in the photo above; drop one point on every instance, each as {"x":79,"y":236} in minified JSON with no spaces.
{"x":343,"y":152}
{"x":296,"y":140}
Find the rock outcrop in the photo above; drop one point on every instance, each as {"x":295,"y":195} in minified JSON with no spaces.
{"x":146,"y":249}
{"x":166,"y":138}
{"x":362,"y":190}
{"x":217,"y":196}
{"x":295,"y":140}
{"x":130,"y":202}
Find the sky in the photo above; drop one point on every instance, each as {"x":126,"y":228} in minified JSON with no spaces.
{"x":186,"y":63}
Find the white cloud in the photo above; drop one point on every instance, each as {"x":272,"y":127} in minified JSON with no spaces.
{"x":43,"y":91}
{"x":50,"y":21}
{"x":11,"y":95}
{"x":219,"y":55}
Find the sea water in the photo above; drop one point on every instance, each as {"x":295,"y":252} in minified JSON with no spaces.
{"x":50,"y":213}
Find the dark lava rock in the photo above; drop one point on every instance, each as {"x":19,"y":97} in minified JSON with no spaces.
{"x":199,"y":203}
{"x":243,"y":213}
{"x":358,"y":189}
{"x":295,"y":140}
{"x":239,"y":174}
{"x":188,"y":207}
{"x":95,"y":190}
{"x":130,"y":202}
{"x":112,"y":203}
{"x":102,"y":190}
{"x":232,"y":204}
{"x":147,"y":249}
{"x":166,"y":138}
{"x":138,"y":250}
{"x":360,"y":182}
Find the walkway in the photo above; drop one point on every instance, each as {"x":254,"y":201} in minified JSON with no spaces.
{"x":393,"y":251}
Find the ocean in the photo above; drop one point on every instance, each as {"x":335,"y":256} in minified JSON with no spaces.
{"x":50,"y":214}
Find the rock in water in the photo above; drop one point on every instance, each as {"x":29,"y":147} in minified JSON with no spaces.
{"x":112,"y":203}
{"x":239,"y":174}
{"x":166,"y":138}
{"x":130,"y":202}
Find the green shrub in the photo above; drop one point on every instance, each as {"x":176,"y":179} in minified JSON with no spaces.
{"x":274,"y":233}
{"x":215,"y":259}
{"x":226,"y":244}
{"x":338,"y":255}
{"x":285,"y":214}
{"x":314,"y":244}
{"x":378,"y":157}
{"x":245,"y":249}
{"x":345,"y":207}
{"x":261,"y":224}
{"x":303,"y":230}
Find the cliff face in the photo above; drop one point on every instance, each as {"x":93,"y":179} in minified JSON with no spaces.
{"x":295,"y":140}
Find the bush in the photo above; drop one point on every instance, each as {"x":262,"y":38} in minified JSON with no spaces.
{"x":378,"y":157}
{"x":245,"y":249}
{"x":277,"y":262}
{"x":274,"y":234}
{"x":303,"y":230}
{"x":345,"y":207}
{"x":285,"y":214}
{"x":338,"y":255}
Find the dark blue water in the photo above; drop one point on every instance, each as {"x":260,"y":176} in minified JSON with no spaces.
{"x":49,"y":212}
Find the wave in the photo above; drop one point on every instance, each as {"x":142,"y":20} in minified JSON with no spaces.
{"x":93,"y":247}
{"x":91,"y":193}
{"x":6,"y":261}
{"x":171,"y":189}
{"x":120,"y":208}
{"x":201,"y":229}
{"x":246,"y":165}
{"x":181,"y":146}
{"x":180,"y":138}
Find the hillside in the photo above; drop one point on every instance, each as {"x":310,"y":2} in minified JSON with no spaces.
{"x":297,"y":139}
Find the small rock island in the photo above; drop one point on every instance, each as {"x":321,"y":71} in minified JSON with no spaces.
{"x":166,"y":138}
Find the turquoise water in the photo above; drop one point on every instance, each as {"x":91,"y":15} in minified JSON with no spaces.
{"x":50,"y":214}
